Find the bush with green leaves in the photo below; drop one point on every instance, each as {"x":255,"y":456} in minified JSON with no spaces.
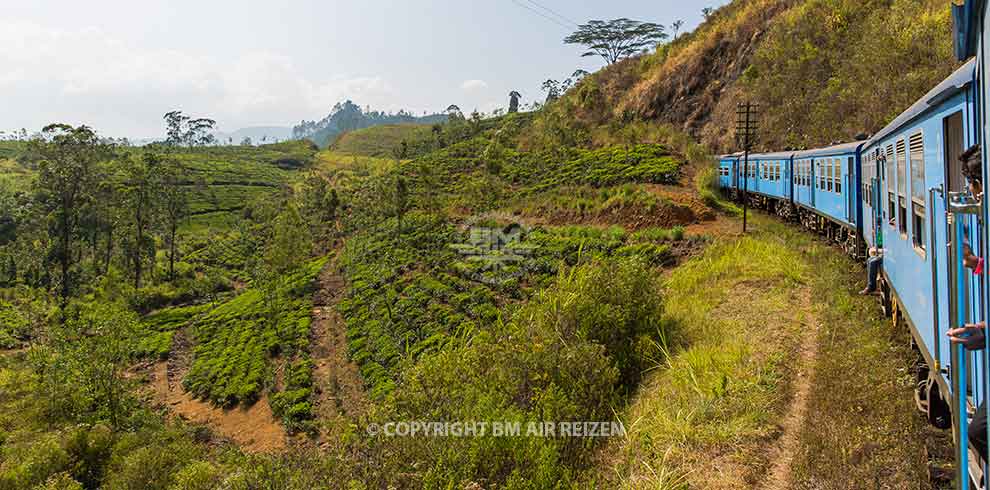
{"x":236,"y":340}
{"x":294,"y":404}
{"x":571,"y":354}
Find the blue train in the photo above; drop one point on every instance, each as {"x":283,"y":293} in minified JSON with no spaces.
{"x":903,"y":191}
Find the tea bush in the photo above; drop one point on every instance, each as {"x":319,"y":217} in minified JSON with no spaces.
{"x":235,"y":340}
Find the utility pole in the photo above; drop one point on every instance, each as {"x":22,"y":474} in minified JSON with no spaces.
{"x":747,"y":127}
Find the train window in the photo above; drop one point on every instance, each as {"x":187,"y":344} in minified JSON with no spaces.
{"x":830,"y":174}
{"x":891,"y":202}
{"x":838,"y":176}
{"x":821,"y":176}
{"x":917,"y":156}
{"x":902,"y":187}
{"x":952,"y":127}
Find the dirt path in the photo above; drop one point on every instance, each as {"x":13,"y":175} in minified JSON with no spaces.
{"x":255,"y":429}
{"x":339,"y":386}
{"x":781,"y":454}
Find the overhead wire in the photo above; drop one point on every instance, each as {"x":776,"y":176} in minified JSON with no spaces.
{"x":541,"y":14}
{"x":554,"y":13}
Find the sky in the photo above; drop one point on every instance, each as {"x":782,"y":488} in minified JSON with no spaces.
{"x":119,"y":65}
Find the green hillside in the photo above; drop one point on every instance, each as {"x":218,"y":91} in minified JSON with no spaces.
{"x":821,"y":70}
{"x":381,"y":141}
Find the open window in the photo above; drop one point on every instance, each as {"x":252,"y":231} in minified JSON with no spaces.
{"x":890,"y":182}
{"x":902,"y":188}
{"x":916,"y":147}
{"x":953,"y":129}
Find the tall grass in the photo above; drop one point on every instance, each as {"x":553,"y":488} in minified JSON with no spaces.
{"x":723,"y":376}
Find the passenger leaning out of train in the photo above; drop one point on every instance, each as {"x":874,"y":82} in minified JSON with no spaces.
{"x":972,"y":160}
{"x":973,"y":336}
{"x":873,"y":265}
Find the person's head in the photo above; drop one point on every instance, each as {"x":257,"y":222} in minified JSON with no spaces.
{"x":972,"y":169}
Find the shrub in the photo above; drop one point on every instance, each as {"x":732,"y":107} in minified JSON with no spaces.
{"x":571,"y":354}
{"x":235,"y":340}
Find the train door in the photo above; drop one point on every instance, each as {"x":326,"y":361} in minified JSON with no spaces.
{"x":814,"y":181}
{"x":850,"y":194}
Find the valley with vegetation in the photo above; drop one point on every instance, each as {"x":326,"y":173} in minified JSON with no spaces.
{"x":188,"y":315}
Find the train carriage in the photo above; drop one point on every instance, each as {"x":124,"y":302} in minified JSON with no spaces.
{"x":771,"y":175}
{"x":825,"y":192}
{"x":727,"y":171}
{"x":912,"y":171}
{"x":829,"y":177}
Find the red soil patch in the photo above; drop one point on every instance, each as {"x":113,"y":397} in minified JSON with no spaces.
{"x":255,"y":429}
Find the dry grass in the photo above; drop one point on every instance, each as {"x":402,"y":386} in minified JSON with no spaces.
{"x":712,"y":414}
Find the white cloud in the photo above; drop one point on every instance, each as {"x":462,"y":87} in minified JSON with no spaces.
{"x":473,"y":85}
{"x":123,"y":89}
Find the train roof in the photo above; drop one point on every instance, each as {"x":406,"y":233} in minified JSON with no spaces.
{"x":780,"y":155}
{"x":839,"y":149}
{"x":949,"y":87}
{"x":730,"y":156}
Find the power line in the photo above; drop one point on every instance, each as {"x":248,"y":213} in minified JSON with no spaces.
{"x":554,"y":13}
{"x":541,"y":14}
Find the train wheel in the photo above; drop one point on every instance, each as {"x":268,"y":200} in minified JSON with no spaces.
{"x":939,"y":414}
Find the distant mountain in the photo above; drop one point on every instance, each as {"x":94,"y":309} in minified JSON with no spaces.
{"x":348,"y":116}
{"x":258,"y":135}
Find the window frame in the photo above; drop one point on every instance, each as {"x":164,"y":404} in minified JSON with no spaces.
{"x":890,"y":174}
{"x":919,"y":208}
{"x":902,"y":187}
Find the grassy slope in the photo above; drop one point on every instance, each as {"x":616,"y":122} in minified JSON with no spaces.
{"x":708,"y":416}
{"x":379,"y":141}
{"x":822,"y":70}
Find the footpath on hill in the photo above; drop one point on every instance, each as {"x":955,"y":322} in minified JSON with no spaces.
{"x":784,"y":378}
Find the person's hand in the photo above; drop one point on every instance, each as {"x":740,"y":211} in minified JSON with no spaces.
{"x":971,"y":336}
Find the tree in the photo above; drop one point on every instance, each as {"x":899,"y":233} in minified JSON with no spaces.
{"x":401,"y":202}
{"x":175,"y":204}
{"x":616,"y":39}
{"x":181,"y":130}
{"x":81,"y":365}
{"x":143,"y":181}
{"x":246,"y":141}
{"x":454,"y":113}
{"x":707,"y":12}
{"x":175,"y":122}
{"x":552,"y":88}
{"x":677,"y":25}
{"x":284,"y":253}
{"x":66,"y":179}
{"x":514,"y":102}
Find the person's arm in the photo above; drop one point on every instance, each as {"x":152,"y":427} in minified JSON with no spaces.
{"x":971,"y":336}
